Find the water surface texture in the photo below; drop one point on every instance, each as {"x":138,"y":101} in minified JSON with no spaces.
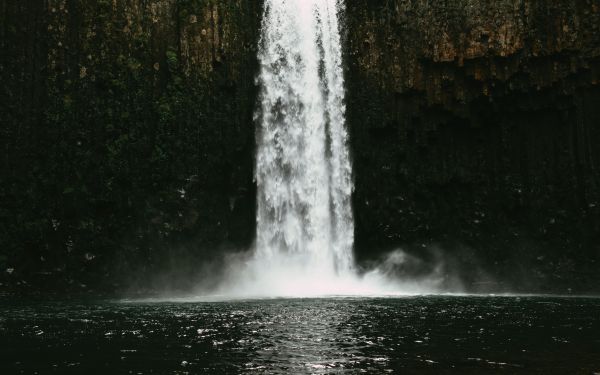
{"x":430,"y":335}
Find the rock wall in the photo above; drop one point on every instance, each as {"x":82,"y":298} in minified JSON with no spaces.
{"x":475,"y":131}
{"x":128,"y":140}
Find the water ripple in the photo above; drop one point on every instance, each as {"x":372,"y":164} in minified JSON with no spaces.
{"x":414,"y":335}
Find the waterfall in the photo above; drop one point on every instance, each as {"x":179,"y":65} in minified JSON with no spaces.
{"x":303,"y":170}
{"x":304,"y":222}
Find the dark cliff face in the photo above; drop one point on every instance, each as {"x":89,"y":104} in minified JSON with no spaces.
{"x":475,"y":131}
{"x":128,"y":139}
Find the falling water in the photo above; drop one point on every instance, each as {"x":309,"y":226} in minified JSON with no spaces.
{"x":305,"y":226}
{"x":303,"y":169}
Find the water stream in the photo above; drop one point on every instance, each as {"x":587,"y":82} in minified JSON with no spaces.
{"x":305,"y":225}
{"x":303,"y":169}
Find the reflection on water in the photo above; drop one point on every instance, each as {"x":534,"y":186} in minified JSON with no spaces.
{"x":349,"y":335}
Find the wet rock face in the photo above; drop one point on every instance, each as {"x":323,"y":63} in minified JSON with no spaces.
{"x":128,"y":134}
{"x":403,"y":44}
{"x":128,"y":123}
{"x":205,"y":35}
{"x":474,"y":127}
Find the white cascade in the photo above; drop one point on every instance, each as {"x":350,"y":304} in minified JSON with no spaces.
{"x":305,"y":225}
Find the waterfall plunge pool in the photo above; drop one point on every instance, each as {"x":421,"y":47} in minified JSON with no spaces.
{"x":418,"y":334}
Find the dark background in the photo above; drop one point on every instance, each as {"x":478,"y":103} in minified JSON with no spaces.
{"x":127,"y":139}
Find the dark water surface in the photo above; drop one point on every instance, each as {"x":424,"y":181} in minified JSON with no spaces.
{"x":431,"y":335}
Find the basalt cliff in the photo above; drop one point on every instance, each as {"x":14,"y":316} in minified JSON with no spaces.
{"x":128,"y":138}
